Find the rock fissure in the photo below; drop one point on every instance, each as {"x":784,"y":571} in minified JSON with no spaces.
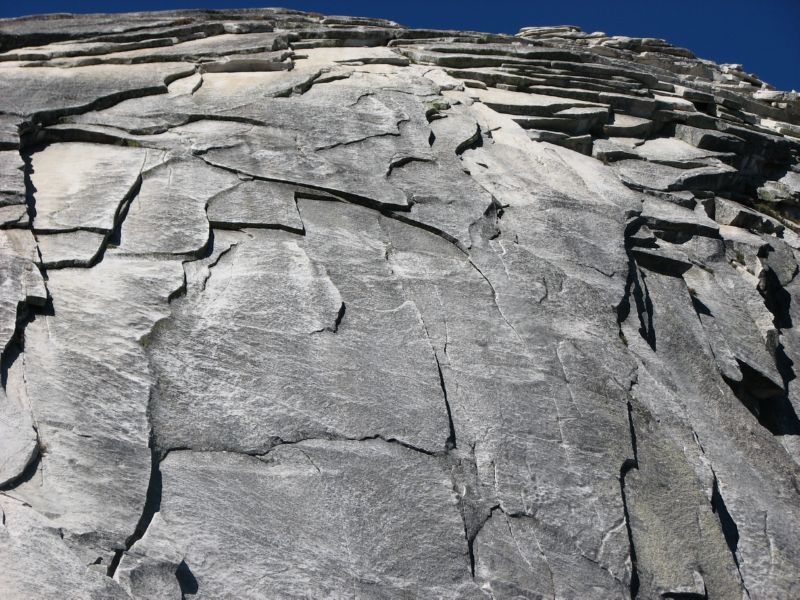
{"x":627,"y":465}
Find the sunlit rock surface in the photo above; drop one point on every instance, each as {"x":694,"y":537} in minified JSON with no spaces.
{"x":295,"y":306}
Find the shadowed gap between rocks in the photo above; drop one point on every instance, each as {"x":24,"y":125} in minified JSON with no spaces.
{"x":644,"y":306}
{"x":152,"y":505}
{"x":729,"y":529}
{"x":774,"y":413}
{"x":111,"y":238}
{"x":627,"y":465}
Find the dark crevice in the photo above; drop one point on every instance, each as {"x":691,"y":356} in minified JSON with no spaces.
{"x":487,"y":226}
{"x":644,"y":307}
{"x":233,"y":248}
{"x":277,"y":442}
{"x":30,"y":470}
{"x":178,"y":292}
{"x":636,"y":288}
{"x":390,"y":211}
{"x":450,"y":444}
{"x":126,"y":34}
{"x":402,"y":161}
{"x":30,"y":189}
{"x":627,"y":465}
{"x":770,"y":405}
{"x":474,"y":510}
{"x":472,"y":536}
{"x":471,"y":143}
{"x":362,"y":139}
{"x":235,"y":226}
{"x":69,"y":132}
{"x":332,"y":194}
{"x":317,"y":78}
{"x":772,"y":408}
{"x":388,"y":440}
{"x":115,"y":236}
{"x":776,"y":298}
{"x":47,"y":117}
{"x":729,"y":529}
{"x":632,"y":430}
{"x":634,"y":583}
{"x":13,"y":352}
{"x":26,"y":312}
{"x":337,"y":321}
{"x":339,"y":317}
{"x":647,"y":328}
{"x":699,"y":307}
{"x":177,"y":121}
{"x":112,"y":238}
{"x":186,"y":580}
{"x":152,"y":505}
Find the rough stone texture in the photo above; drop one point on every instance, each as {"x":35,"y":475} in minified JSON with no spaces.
{"x":296,"y":306}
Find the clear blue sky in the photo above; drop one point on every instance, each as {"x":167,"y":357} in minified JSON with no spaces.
{"x":763,"y":35}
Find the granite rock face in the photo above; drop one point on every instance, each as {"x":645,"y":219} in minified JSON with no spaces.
{"x":295,"y":306}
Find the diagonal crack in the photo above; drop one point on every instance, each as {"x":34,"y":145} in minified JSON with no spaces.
{"x":335,"y":327}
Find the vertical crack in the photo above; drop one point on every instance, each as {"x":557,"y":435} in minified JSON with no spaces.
{"x":450,"y":444}
{"x":636,"y":288}
{"x":30,"y":189}
{"x":25,"y":312}
{"x":729,"y":529}
{"x":114,"y":238}
{"x":473,"y":535}
{"x":152,"y":505}
{"x":13,"y":352}
{"x":627,"y":465}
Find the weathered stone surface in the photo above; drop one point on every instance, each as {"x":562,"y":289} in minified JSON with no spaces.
{"x":317,"y":323}
{"x":675,"y":153}
{"x":12,"y":184}
{"x":15,"y":215}
{"x":727,"y":212}
{"x":318,"y":519}
{"x":529,"y":105}
{"x":78,"y":248}
{"x":83,"y":186}
{"x":28,"y":540}
{"x":21,"y":283}
{"x":168,"y":214}
{"x":642,"y":175}
{"x":19,"y":443}
{"x":95,"y":424}
{"x":51,"y":91}
{"x":295,"y":306}
{"x":257,"y":203}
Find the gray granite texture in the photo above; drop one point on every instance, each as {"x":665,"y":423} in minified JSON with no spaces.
{"x":296,"y":306}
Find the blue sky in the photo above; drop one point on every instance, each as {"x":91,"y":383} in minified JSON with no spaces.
{"x":763,"y":35}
